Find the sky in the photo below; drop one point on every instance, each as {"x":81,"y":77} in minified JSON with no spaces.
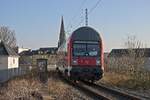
{"x":37,"y":22}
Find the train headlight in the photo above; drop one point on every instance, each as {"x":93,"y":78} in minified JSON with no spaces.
{"x":98,"y":62}
{"x":74,"y":62}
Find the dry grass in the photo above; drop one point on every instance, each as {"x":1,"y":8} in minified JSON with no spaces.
{"x":114,"y":78}
{"x":125,"y":80}
{"x":20,"y":88}
{"x":59,"y":90}
{"x":127,"y":72}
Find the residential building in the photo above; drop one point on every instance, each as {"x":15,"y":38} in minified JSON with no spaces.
{"x":45,"y":53}
{"x":143,"y":53}
{"x":9,"y":61}
{"x":29,"y":58}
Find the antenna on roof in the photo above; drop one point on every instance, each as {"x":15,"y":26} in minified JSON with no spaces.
{"x":86,"y":17}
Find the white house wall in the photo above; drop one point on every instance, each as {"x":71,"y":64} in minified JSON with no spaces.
{"x":3,"y":62}
{"x":13,"y":62}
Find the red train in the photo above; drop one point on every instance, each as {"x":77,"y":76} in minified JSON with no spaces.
{"x":81,"y":57}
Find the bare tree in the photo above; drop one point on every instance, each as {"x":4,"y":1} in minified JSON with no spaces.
{"x":131,"y":60}
{"x":135,"y":50}
{"x":8,"y":36}
{"x":126,"y":67}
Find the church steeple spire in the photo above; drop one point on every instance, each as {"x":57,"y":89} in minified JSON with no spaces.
{"x":62,"y":36}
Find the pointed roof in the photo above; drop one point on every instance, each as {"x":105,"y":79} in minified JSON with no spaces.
{"x":62,"y":36}
{"x":6,"y":50}
{"x":62,"y":30}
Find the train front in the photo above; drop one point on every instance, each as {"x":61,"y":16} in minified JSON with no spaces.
{"x":86,"y":55}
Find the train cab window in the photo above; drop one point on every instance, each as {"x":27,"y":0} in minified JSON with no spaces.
{"x":86,"y":49}
{"x":93,"y":49}
{"x":79,"y":49}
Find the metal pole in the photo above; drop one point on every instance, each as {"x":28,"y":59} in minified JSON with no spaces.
{"x":86,"y":17}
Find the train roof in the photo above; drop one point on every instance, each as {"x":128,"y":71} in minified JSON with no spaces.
{"x":85,"y":34}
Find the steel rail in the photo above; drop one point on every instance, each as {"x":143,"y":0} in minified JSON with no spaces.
{"x":82,"y":87}
{"x":114,"y":93}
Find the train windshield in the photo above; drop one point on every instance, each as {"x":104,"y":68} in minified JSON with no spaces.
{"x":86,"y":49}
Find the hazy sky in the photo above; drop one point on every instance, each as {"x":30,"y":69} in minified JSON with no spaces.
{"x":37,"y":22}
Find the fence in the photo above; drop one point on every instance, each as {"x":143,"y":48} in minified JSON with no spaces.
{"x":7,"y":74}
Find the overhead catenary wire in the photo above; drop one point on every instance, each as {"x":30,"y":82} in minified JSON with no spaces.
{"x":90,"y":11}
{"x":76,"y":15}
{"x":94,"y":7}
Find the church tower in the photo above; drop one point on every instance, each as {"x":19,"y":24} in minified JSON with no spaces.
{"x":62,"y":35}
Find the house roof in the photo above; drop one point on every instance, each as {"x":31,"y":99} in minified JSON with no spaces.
{"x":27,"y":53}
{"x":123,"y":52}
{"x":47,"y":50}
{"x":6,"y":50}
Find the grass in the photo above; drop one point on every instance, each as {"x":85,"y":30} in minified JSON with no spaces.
{"x":59,"y":90}
{"x":126,"y":80}
{"x":19,"y":89}
{"x":22,"y":88}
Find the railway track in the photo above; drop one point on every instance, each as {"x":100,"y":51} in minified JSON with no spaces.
{"x":100,"y":92}
{"x":113,"y":94}
{"x":87,"y":91}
